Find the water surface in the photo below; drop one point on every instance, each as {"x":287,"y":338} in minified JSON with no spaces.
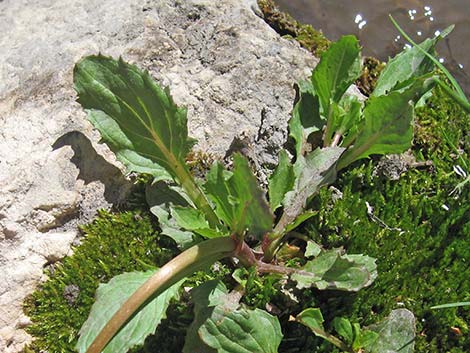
{"x":368,"y":20}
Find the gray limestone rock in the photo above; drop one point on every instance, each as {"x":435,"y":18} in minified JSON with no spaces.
{"x":232,"y":71}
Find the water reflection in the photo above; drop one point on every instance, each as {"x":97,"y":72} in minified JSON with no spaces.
{"x":368,"y":20}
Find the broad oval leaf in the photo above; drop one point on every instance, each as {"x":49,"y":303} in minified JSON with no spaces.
{"x":387,"y":123}
{"x":344,"y":328}
{"x":241,"y":331}
{"x":313,"y":319}
{"x":332,"y":270}
{"x":109,"y":298}
{"x":137,"y":119}
{"x":221,"y":326}
{"x":411,"y":62}
{"x":396,"y":333}
{"x":339,"y":67}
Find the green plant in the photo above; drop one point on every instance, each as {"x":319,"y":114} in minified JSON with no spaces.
{"x":147,"y":131}
{"x":456,"y":93}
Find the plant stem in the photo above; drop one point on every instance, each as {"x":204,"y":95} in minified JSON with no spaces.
{"x":336,"y":139}
{"x":186,"y":263}
{"x":332,"y":339}
{"x":177,"y":168}
{"x":195,"y":193}
{"x":273,"y":240}
{"x":329,"y":126}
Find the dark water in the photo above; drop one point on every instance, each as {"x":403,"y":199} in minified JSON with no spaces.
{"x":368,"y":20}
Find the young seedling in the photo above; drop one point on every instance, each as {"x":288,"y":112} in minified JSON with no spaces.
{"x":212,"y":219}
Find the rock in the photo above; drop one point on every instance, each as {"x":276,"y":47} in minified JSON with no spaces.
{"x":393,"y":166}
{"x":232,"y":71}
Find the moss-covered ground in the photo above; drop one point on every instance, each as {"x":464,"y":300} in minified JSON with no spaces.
{"x":419,"y":232}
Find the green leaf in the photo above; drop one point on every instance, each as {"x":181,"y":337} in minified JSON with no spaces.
{"x":242,"y":331}
{"x":301,"y":218}
{"x":281,"y":181}
{"x":396,"y":333}
{"x":344,"y":328}
{"x":109,"y":298}
{"x":161,"y":197}
{"x":137,"y":119}
{"x":312,"y":172}
{"x":220,"y":326}
{"x":346,"y":115}
{"x":312,"y":249}
{"x":450,"y":305}
{"x":365,"y":339}
{"x":366,"y":261}
{"x":184,"y":239}
{"x":388,"y":123}
{"x":409,"y":63}
{"x":331,"y":270}
{"x":306,"y":117}
{"x":189,"y":218}
{"x":211,"y":294}
{"x":239,"y":201}
{"x":192,"y":219}
{"x":339,"y":67}
{"x":313,"y":319}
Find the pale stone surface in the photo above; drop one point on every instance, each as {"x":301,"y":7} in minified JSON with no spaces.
{"x":219,"y":58}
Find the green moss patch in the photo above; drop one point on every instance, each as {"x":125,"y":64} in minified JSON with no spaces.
{"x":114,"y":243}
{"x":418,"y":231}
{"x":284,"y":24}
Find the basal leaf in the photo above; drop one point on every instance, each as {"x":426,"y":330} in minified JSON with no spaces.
{"x":312,"y":249}
{"x":239,"y":201}
{"x":301,"y":218}
{"x":189,"y":218}
{"x":387,"y":123}
{"x":313,"y":319}
{"x":136,"y":118}
{"x":344,"y":328}
{"x":241,"y":331}
{"x":161,"y":197}
{"x":339,"y":67}
{"x":312,"y":172}
{"x":305,"y":118}
{"x":184,"y":239}
{"x":205,"y":297}
{"x":366,"y":261}
{"x":281,"y":181}
{"x":331,"y":270}
{"x":221,"y":326}
{"x":411,"y":62}
{"x":396,"y":333}
{"x":109,"y":298}
{"x":347,"y":114}
{"x":365,"y":338}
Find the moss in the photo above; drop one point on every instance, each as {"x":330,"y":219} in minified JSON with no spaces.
{"x":421,"y":248}
{"x":371,"y":70}
{"x":113,"y":244}
{"x":284,"y":24}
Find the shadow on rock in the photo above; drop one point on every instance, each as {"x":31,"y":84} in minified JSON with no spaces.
{"x":93,"y":167}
